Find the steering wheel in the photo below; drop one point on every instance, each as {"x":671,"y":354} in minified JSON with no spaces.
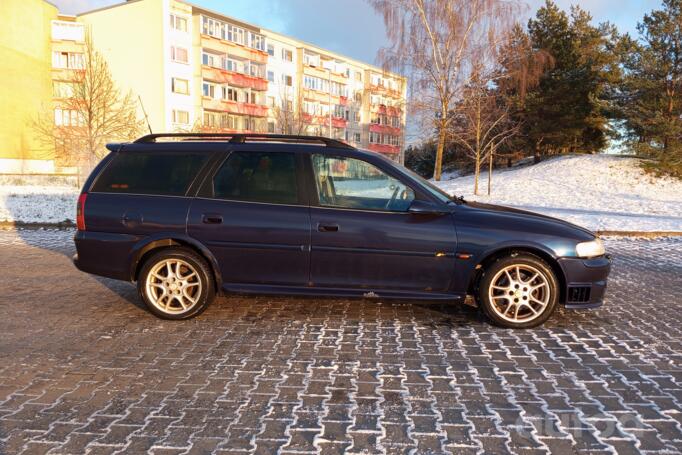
{"x":390,"y":202}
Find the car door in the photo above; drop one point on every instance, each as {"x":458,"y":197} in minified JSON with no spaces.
{"x":253,"y":214}
{"x":363,"y":235}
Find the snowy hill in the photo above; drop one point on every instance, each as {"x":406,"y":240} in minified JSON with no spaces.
{"x":600,"y":192}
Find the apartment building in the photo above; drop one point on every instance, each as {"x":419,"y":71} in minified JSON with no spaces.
{"x":193,"y":69}
{"x":200,"y":70}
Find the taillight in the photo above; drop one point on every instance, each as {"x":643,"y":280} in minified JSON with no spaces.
{"x":80,"y":212}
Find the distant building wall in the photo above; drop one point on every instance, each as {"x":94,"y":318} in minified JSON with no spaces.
{"x":25,"y":83}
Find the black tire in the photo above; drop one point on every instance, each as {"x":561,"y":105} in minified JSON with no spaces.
{"x":193,"y":262}
{"x":527,"y":263}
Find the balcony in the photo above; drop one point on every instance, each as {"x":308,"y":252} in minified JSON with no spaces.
{"x":387,"y":110}
{"x":382,"y":89}
{"x":233,"y":79}
{"x":238,"y":50}
{"x":337,"y":122}
{"x":233,"y":107}
{"x":384,"y":129}
{"x":384,"y":148}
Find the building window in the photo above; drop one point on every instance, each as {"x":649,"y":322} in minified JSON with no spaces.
{"x":356,"y":116}
{"x":287,"y":55}
{"x":67,"y":117}
{"x":67,"y":60}
{"x":179,"y":54}
{"x":271,"y":76}
{"x":356,"y":138}
{"x":211,"y":60}
{"x":271,"y":127}
{"x":62,"y":89}
{"x":232,"y":94}
{"x":271,"y":50}
{"x":311,"y":59}
{"x":68,"y":31}
{"x":178,"y":23}
{"x":288,"y":80}
{"x":210,"y":119}
{"x":212,"y":27}
{"x":257,"y":41}
{"x":180,"y":117}
{"x":180,"y":86}
{"x":208,"y":89}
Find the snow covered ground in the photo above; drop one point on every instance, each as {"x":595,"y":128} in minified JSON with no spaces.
{"x":599,"y":192}
{"x":38,"y":203}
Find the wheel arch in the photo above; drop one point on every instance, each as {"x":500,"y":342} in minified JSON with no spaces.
{"x":143,"y":250}
{"x":508,"y":250}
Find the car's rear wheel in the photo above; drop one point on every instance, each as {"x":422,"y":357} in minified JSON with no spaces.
{"x":176,"y":283}
{"x":519,"y":291}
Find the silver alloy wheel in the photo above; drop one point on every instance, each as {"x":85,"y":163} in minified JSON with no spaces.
{"x":519,"y":293}
{"x":173,"y":286}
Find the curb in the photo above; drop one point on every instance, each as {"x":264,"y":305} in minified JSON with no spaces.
{"x":9,"y":225}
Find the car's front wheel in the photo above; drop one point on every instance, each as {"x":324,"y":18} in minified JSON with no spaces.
{"x":176,"y":283}
{"x":518,"y":291}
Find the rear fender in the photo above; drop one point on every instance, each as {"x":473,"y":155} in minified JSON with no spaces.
{"x":162,"y":240}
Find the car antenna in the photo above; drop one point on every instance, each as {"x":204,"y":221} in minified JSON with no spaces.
{"x":145,"y":115}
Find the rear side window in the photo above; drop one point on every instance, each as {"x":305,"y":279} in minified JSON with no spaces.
{"x":257,"y":177}
{"x":157,"y":173}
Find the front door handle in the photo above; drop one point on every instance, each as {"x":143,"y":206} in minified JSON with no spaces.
{"x":211,"y":218}
{"x":327,"y":227}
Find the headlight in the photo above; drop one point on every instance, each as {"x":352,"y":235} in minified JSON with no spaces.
{"x":590,"y":249}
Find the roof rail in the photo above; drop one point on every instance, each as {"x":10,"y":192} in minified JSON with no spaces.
{"x":240,"y":138}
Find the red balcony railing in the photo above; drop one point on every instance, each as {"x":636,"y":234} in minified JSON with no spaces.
{"x":234,"y":79}
{"x":384,"y":129}
{"x":387,"y":110}
{"x":384,"y":148}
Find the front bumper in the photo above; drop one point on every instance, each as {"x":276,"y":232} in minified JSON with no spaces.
{"x":585,"y":281}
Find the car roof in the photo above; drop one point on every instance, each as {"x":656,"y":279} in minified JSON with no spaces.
{"x":207,"y":142}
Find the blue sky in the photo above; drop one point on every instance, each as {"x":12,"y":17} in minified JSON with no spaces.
{"x":350,"y":27}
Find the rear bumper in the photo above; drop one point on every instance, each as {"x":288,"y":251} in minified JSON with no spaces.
{"x":103,"y":254}
{"x":585,"y":281}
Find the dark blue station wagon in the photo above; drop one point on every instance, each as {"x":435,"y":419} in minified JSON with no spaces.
{"x":197,"y":214}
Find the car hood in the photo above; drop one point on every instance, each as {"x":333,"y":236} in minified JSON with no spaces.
{"x":533,"y":220}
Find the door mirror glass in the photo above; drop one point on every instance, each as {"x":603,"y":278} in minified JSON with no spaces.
{"x":356,"y":184}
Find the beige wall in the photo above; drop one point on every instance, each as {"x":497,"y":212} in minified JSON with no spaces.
{"x":25,"y":83}
{"x":130,"y":37}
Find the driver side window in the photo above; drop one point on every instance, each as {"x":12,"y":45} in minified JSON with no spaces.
{"x":356,"y":184}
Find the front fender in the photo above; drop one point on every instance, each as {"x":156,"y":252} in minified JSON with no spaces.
{"x":166,"y":239}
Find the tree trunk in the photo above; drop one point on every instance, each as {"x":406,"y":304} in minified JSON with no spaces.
{"x":438,"y":167}
{"x":490,"y":167}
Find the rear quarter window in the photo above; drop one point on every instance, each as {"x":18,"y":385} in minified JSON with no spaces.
{"x":157,"y":173}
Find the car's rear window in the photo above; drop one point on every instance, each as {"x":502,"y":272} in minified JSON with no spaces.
{"x":154,"y":172}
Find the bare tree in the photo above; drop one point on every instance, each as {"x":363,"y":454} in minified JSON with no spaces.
{"x":92,"y":111}
{"x":434,"y":42}
{"x":288,"y":113}
{"x":481,"y":122}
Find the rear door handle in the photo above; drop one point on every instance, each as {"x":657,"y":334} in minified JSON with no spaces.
{"x":327,"y":227}
{"x":211,"y":218}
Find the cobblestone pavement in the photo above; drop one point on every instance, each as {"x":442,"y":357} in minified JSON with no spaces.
{"x":85,"y":369}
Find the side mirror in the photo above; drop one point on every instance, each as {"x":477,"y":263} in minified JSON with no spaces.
{"x":426,"y":208}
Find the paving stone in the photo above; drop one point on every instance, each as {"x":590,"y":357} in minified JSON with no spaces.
{"x":86,"y":369}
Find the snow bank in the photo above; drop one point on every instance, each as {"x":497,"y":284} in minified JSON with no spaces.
{"x":38,"y":203}
{"x":600,"y":192}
